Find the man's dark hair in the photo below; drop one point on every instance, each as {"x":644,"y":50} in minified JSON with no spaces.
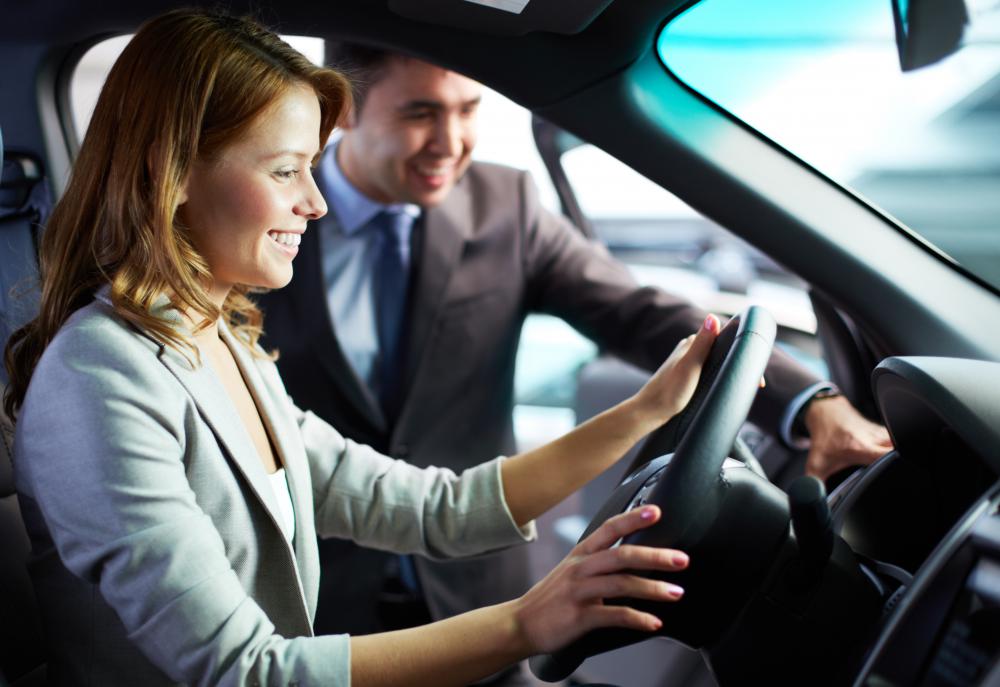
{"x":364,"y":65}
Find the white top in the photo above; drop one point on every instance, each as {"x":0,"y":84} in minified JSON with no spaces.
{"x":279,"y":483}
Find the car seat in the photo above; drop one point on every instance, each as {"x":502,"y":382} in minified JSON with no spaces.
{"x":22,"y":662}
{"x":25,"y":200}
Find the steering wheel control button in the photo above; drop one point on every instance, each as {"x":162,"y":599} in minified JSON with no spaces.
{"x":642,"y":496}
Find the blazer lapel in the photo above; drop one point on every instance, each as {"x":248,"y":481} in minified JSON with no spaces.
{"x":219,"y":412}
{"x":445,"y":230}
{"x":214,"y":405}
{"x":308,"y":298}
{"x":282,"y":429}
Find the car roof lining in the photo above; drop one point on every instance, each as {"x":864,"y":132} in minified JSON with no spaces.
{"x":560,"y":64}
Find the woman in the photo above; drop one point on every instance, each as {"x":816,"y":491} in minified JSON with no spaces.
{"x":171,"y":489}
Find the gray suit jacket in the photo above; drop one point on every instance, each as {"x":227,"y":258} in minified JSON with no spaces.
{"x":157,"y":557}
{"x":489,"y":255}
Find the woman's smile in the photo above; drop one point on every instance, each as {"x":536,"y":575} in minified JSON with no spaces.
{"x":286,"y":241}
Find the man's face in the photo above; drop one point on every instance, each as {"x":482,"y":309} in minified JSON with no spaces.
{"x":413,"y":138}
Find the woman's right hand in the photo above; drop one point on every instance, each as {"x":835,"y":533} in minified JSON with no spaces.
{"x":671,"y":387}
{"x":569,"y":601}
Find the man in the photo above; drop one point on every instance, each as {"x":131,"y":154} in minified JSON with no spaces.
{"x":464,"y":251}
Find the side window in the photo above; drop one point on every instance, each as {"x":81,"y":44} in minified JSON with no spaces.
{"x":669,"y":245}
{"x":88,"y":77}
{"x":551,"y":353}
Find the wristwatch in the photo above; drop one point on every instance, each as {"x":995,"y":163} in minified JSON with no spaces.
{"x":793,"y":430}
{"x":799,"y":424}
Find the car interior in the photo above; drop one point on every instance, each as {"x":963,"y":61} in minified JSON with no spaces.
{"x":891,"y":575}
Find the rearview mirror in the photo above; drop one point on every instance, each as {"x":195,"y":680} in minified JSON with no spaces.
{"x":928,"y":30}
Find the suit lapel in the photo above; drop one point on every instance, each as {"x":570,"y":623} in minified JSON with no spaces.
{"x":445,"y":230}
{"x":308,"y":298}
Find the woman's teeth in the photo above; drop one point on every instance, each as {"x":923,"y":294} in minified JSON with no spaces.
{"x":285,"y":238}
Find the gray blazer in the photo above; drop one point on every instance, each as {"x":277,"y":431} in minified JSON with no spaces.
{"x":157,"y":557}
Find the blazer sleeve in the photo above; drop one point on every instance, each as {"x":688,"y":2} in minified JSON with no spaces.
{"x":579,"y":281}
{"x":389,"y":504}
{"x":100,"y":445}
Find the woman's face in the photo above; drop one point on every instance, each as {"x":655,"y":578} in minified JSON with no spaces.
{"x":247,"y":208}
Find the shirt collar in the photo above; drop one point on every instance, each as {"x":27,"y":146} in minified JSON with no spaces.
{"x":354,"y":210}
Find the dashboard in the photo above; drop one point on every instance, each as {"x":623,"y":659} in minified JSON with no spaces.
{"x":926,"y":520}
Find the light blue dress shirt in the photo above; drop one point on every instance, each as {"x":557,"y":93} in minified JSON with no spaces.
{"x":349,"y":249}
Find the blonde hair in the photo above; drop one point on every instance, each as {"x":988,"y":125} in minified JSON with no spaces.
{"x":188,"y":84}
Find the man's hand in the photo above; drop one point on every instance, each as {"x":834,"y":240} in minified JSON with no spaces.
{"x":841,"y":437}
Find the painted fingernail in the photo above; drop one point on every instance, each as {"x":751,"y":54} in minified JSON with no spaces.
{"x":673,"y":591}
{"x":656,"y":623}
{"x":710,"y":322}
{"x":679,"y":560}
{"x":647,"y":514}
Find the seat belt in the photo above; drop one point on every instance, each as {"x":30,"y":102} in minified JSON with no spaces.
{"x":25,"y":203}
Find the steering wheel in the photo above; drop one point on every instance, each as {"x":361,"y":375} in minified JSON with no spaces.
{"x":727,"y":518}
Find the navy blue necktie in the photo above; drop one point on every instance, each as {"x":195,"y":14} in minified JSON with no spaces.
{"x":392,"y":268}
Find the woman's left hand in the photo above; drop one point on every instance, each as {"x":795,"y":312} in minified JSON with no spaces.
{"x":671,"y":387}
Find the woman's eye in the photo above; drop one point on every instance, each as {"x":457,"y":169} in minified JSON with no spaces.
{"x":286,"y":173}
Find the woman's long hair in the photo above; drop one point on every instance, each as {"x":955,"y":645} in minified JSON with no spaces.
{"x":187,"y":85}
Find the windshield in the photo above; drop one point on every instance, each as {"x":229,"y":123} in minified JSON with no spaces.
{"x":822,"y":79}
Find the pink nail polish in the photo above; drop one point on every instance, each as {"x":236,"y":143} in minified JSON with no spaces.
{"x":647,"y":514}
{"x":709,"y":322}
{"x":674,"y":592}
{"x":680,"y":560}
